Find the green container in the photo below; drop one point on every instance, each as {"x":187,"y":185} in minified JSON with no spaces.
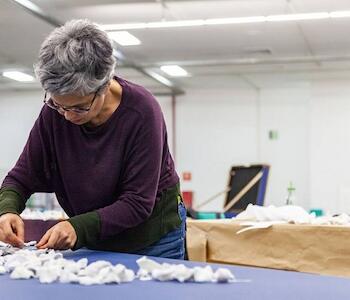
{"x":210,"y":215}
{"x":318,"y":212}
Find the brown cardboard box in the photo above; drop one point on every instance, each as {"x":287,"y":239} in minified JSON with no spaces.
{"x":316,"y":249}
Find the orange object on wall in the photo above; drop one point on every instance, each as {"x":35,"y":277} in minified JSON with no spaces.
{"x":186,"y":176}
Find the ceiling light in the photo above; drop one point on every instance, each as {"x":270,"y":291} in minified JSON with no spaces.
{"x":18,"y":76}
{"x":29,"y":5}
{"x":124,"y":38}
{"x":339,"y":14}
{"x":174,"y":70}
{"x":297,"y":17}
{"x":167,"y":24}
{"x":223,"y":21}
{"x":160,"y":78}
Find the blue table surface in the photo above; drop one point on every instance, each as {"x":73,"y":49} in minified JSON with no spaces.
{"x":264,"y":284}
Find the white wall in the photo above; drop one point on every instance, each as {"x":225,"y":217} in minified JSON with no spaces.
{"x":218,"y":129}
{"x":330,"y":146}
{"x":287,"y":111}
{"x":166,"y":105}
{"x":312,"y":150}
{"x":215,"y":130}
{"x":18,"y":111}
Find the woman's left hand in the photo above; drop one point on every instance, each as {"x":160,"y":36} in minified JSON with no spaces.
{"x":62,"y":236}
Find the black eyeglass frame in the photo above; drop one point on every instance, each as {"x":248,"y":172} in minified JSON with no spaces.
{"x":79,"y":110}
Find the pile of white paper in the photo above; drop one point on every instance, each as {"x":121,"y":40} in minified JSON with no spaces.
{"x":287,"y":213}
{"x":258,"y":217}
{"x":32,"y":214}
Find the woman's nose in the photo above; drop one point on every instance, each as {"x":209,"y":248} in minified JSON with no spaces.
{"x":68,"y":115}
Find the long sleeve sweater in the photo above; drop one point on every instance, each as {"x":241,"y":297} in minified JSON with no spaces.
{"x":107,"y":178}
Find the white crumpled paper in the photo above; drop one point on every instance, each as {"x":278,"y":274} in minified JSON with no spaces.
{"x":287,"y":213}
{"x":259,"y":217}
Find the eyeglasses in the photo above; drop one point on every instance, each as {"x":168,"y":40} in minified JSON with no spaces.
{"x":79,"y":110}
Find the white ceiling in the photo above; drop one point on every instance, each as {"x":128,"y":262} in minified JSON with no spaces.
{"x":241,"y":55}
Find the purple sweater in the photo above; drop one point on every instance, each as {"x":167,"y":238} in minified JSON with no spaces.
{"x":118,"y":169}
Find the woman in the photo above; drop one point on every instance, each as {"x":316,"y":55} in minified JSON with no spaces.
{"x":100,"y":144}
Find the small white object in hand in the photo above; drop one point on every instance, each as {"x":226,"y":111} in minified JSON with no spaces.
{"x":30,"y":244}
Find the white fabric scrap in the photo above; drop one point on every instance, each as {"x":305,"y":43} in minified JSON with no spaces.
{"x":167,"y":272}
{"x":34,"y":214}
{"x":287,"y":213}
{"x":342,"y":219}
{"x":148,"y":264}
{"x":21,"y":272}
{"x":143,"y":275}
{"x":223,"y":275}
{"x":94,"y":268}
{"x":30,"y":244}
{"x":2,"y":270}
{"x":49,"y":266}
{"x":259,"y":217}
{"x":67,"y":276}
{"x":205,"y":274}
{"x":49,"y":274}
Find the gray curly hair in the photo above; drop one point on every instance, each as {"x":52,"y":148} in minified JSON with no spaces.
{"x":76,"y":58}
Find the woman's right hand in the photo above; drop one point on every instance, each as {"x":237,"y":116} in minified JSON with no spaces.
{"x":12,"y":229}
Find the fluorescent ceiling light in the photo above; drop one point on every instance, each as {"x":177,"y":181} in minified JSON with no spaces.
{"x":174,"y":70}
{"x":223,"y":21}
{"x":243,"y":20}
{"x":185,"y":23}
{"x":18,"y":76}
{"x":124,"y":38}
{"x":28,"y":4}
{"x":160,"y":78}
{"x":339,"y":14}
{"x":297,"y":17}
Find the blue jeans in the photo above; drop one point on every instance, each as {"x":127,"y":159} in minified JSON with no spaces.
{"x":172,"y":245}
